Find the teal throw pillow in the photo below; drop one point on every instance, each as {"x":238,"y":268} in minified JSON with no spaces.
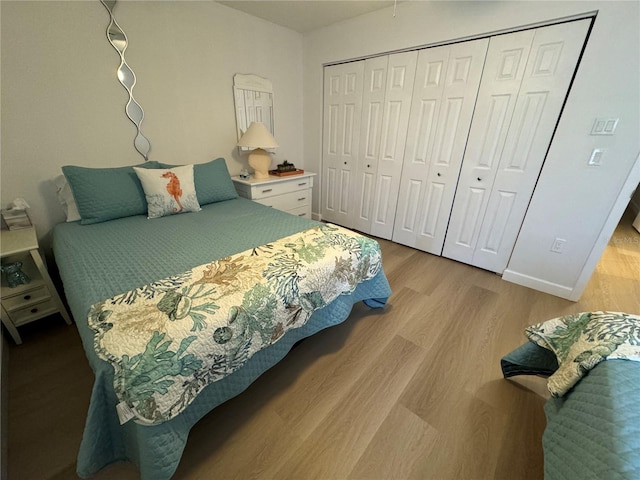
{"x":103,"y":194}
{"x":212,"y":180}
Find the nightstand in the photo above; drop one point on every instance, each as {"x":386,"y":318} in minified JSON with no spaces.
{"x":34,"y":300}
{"x":291,"y":194}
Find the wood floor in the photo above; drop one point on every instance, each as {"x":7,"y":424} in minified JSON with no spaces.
{"x":411,"y":392}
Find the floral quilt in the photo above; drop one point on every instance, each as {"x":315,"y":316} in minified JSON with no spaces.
{"x":582,"y":341}
{"x":170,"y":339}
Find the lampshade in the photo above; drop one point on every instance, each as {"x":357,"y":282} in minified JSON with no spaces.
{"x":257,"y":136}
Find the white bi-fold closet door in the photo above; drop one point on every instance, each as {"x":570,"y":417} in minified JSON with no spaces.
{"x":440,"y":148}
{"x":386,"y":103}
{"x":366,"y":111}
{"x":524,"y":85}
{"x":444,"y":96}
{"x":340,"y":140}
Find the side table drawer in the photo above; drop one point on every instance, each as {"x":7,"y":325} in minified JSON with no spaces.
{"x":26,"y":299}
{"x":280,"y":188}
{"x":301,"y":211}
{"x":33,"y":312}
{"x":288,"y":201}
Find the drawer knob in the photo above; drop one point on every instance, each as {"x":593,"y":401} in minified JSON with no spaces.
{"x":267,"y":190}
{"x":301,"y":199}
{"x":27,"y":297}
{"x":302,"y":184}
{"x":301,"y":214}
{"x":34,"y":310}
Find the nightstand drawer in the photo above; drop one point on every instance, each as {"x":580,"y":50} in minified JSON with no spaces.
{"x":280,"y":188}
{"x":288,"y":201}
{"x":33,"y":312}
{"x":301,"y":211}
{"x":26,"y":299}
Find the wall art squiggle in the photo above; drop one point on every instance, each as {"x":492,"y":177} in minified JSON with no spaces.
{"x":127,"y":78}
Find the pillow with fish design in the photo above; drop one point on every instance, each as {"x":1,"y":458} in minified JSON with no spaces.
{"x":168,"y":191}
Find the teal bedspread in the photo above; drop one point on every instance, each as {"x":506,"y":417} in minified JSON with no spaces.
{"x":102,"y":260}
{"x":593,"y":432}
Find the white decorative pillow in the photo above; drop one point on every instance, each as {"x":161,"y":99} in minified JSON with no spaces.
{"x":65,"y":197}
{"x":168,"y":191}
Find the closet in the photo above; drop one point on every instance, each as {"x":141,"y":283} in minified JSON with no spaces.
{"x":440,"y":148}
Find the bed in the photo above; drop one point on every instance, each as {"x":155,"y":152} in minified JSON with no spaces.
{"x":100,"y":261}
{"x":593,"y":429}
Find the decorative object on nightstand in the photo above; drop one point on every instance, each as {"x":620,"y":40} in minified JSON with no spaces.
{"x":258,"y":138}
{"x":291,"y":194}
{"x":26,"y":302}
{"x":14,"y":274}
{"x":285,"y":169}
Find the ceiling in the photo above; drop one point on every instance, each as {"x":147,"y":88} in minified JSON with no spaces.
{"x":307,"y":15}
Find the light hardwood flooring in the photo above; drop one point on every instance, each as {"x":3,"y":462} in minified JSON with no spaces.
{"x":413,"y":391}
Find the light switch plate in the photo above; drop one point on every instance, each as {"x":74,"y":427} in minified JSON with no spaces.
{"x":596,"y":157}
{"x":604,"y":126}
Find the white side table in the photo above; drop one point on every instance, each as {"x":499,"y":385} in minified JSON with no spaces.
{"x":36,"y":299}
{"x":291,"y":194}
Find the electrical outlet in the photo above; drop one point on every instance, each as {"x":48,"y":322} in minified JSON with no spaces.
{"x":558,"y":245}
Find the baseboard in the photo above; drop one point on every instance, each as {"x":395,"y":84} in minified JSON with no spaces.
{"x":316,"y":216}
{"x":4,"y":404}
{"x":538,"y":284}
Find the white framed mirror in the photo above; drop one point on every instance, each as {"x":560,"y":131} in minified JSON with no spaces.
{"x":253,"y":97}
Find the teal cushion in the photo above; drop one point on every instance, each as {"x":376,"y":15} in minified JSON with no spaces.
{"x":529,"y":359}
{"x":103,"y":194}
{"x":213,"y":182}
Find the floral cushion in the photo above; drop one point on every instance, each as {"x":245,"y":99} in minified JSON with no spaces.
{"x":583,"y":340}
{"x":169,"y":191}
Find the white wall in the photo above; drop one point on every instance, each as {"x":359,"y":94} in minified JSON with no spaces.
{"x":62,"y":104}
{"x":572,"y":201}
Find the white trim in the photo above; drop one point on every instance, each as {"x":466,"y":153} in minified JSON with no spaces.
{"x":570,"y":18}
{"x":538,"y":284}
{"x":249,"y":81}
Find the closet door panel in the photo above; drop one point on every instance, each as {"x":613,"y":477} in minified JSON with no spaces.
{"x":341,"y":139}
{"x":427,"y":98}
{"x":552,"y":63}
{"x":501,"y":79}
{"x":375,"y":82}
{"x":509,"y":163}
{"x":400,"y":75}
{"x":445,"y":91}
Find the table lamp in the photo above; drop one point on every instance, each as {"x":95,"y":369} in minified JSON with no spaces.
{"x":257,"y":138}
